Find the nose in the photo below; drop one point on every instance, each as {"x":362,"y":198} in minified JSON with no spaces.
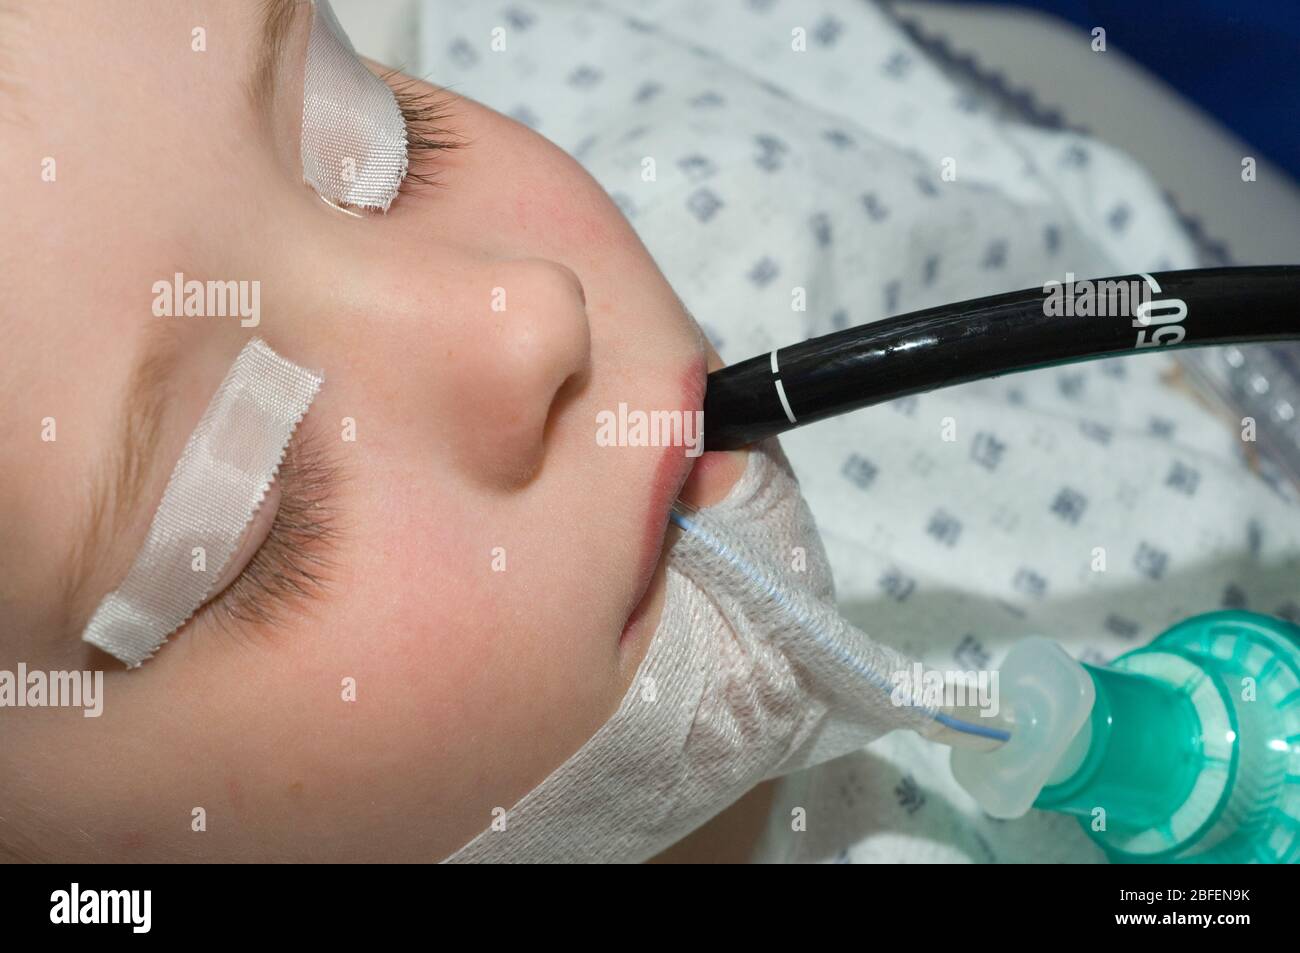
{"x":470,"y":354}
{"x":529,"y":353}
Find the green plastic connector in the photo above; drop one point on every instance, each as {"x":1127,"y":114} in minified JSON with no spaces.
{"x":1192,"y":750}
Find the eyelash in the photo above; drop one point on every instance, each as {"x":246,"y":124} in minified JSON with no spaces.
{"x":423,"y":111}
{"x":293,"y":563}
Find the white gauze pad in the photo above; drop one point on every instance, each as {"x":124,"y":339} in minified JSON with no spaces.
{"x":220,"y":480}
{"x":353,"y":133}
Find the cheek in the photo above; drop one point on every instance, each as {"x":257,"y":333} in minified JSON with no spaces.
{"x":467,"y":691}
{"x":467,"y":607}
{"x":569,"y":209}
{"x":524,"y":191}
{"x":462,"y":615}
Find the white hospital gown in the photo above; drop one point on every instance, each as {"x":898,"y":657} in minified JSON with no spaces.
{"x":830,"y":169}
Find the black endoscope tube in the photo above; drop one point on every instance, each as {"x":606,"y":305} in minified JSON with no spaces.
{"x":956,"y":343}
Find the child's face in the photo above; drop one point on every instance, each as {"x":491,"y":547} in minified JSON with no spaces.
{"x":469,"y":559}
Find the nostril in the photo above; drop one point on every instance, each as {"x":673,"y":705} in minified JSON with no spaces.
{"x":565,"y":396}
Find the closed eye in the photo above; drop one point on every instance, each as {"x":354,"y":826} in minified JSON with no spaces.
{"x":293,"y":565}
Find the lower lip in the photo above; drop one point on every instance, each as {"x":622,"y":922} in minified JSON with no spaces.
{"x":670,"y":476}
{"x":673,"y":470}
{"x":696,"y":478}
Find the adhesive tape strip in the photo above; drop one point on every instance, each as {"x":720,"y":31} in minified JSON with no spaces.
{"x":354,"y":149}
{"x":220,"y":480}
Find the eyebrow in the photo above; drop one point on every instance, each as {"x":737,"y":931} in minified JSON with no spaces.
{"x":117,"y":488}
{"x":277,"y":19}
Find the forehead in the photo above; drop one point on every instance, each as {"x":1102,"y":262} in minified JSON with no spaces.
{"x":56,"y":47}
{"x":120,"y":123}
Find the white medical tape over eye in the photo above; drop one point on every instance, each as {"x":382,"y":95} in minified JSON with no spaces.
{"x":353,"y":134}
{"x":220,"y":480}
